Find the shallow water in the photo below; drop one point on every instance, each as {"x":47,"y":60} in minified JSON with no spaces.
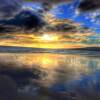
{"x":54,"y":76}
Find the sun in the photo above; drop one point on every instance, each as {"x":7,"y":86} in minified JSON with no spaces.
{"x":49,"y":37}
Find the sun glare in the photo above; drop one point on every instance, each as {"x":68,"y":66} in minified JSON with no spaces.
{"x":49,"y":37}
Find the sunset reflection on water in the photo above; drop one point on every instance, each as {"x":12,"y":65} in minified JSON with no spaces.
{"x":53,"y":74}
{"x":56,"y":66}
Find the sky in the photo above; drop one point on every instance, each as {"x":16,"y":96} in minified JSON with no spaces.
{"x":69,"y":11}
{"x":25,"y":18}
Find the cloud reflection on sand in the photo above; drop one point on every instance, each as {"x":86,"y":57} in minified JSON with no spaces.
{"x":53,"y":75}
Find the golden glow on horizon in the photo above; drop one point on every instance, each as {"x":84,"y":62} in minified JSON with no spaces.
{"x":50,"y":40}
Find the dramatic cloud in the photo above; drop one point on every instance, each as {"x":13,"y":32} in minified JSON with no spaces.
{"x":29,"y":21}
{"x":9,"y":8}
{"x":24,"y":21}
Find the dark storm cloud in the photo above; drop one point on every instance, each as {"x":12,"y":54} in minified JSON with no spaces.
{"x":88,"y":5}
{"x":9,"y":8}
{"x":25,"y":21}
